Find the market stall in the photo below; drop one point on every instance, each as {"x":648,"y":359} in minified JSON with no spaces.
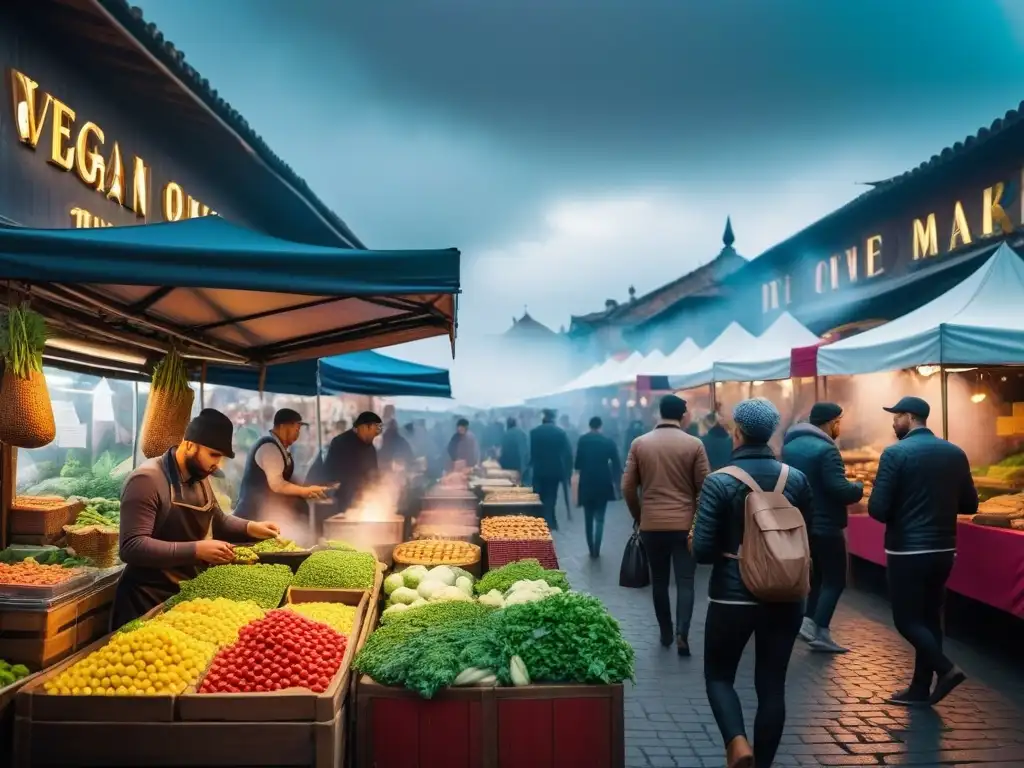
{"x":249,"y":665}
{"x":960,"y":351}
{"x":509,"y":669}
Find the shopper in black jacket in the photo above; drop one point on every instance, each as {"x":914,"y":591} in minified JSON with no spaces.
{"x":734,"y":614}
{"x":812,"y":449}
{"x":923,"y":483}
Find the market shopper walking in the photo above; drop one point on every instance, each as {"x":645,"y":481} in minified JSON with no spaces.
{"x":734,"y":614}
{"x":599,"y":468}
{"x":923,"y":483}
{"x":515,"y":448}
{"x":812,"y":449}
{"x":668,"y":466}
{"x":463,"y":448}
{"x":550,"y":462}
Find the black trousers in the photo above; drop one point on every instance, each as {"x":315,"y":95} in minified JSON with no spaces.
{"x":917,"y":589}
{"x":547,"y":489}
{"x":727,"y":632}
{"x":828,"y":578}
{"x":667,"y":552}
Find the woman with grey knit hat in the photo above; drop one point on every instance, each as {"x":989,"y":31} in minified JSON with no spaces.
{"x":734,"y":614}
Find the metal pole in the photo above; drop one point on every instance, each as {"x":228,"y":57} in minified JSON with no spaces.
{"x":945,"y":402}
{"x":319,"y":422}
{"x":135,"y":425}
{"x":824,"y":384}
{"x":202,"y":387}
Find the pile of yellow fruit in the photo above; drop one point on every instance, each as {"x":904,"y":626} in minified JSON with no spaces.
{"x":153,"y":660}
{"x":337,"y":616}
{"x":215,"y":620}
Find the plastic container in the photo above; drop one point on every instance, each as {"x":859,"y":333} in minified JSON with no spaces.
{"x":16,"y":593}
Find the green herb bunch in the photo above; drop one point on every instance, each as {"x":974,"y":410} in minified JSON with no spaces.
{"x":22,"y":341}
{"x":171,"y":374}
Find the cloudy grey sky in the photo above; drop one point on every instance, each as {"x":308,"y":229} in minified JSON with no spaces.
{"x":571,"y":148}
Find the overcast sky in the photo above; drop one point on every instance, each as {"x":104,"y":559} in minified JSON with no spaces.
{"x":571,"y":148}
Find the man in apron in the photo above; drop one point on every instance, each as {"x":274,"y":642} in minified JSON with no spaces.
{"x":171,"y":524}
{"x":267,"y":491}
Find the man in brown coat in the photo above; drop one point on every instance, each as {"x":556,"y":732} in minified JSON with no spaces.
{"x":668,"y":466}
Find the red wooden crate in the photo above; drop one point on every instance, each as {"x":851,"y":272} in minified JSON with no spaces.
{"x":537,"y":726}
{"x":504,"y":551}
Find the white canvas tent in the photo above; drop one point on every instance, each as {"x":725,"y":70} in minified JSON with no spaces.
{"x":678,"y":360}
{"x":628,"y":374}
{"x":734,"y":340}
{"x":769,"y":358}
{"x":614,"y":374}
{"x":583,"y":381}
{"x":979,"y":322}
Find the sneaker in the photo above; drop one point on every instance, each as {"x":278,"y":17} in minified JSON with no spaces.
{"x":808,"y":630}
{"x":825,"y":644}
{"x":908,"y":698}
{"x":946,"y":683}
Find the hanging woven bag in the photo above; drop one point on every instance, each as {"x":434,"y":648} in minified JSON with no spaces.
{"x":168,"y":408}
{"x":26,"y":413}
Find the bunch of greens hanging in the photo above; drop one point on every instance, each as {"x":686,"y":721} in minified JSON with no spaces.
{"x":26,"y":414}
{"x":168,"y":408}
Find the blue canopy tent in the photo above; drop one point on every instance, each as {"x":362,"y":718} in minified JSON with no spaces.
{"x":118,"y":298}
{"x":357,"y":373}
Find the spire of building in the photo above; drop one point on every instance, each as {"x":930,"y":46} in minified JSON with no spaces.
{"x":728,"y":237}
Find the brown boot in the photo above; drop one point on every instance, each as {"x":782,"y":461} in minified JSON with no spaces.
{"x":738,"y":753}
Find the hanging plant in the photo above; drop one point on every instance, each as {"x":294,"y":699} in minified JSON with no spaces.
{"x":26,"y":414}
{"x":168,"y":408}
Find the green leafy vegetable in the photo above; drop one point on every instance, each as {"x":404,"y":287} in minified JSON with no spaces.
{"x":521,"y":570}
{"x":433,"y":614}
{"x":565,"y":638}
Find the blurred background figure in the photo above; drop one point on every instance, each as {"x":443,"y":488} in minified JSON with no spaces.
{"x":463,"y":447}
{"x":600,"y":470}
{"x":515,"y":448}
{"x":550,"y":463}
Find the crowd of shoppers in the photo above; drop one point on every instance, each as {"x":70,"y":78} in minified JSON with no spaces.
{"x":702,"y":501}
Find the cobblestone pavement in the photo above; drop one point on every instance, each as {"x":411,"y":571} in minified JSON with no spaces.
{"x":836,"y":714}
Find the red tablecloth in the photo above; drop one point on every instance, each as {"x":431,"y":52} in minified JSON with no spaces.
{"x":989,"y":561}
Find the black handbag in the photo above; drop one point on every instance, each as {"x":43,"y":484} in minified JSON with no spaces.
{"x":635,"y":573}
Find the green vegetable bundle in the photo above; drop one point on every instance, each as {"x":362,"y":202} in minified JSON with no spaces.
{"x":431,"y":614}
{"x":263,"y":584}
{"x":337,"y":569}
{"x":26,"y":414}
{"x":168,"y":407}
{"x":521,"y":570}
{"x":423,"y":660}
{"x":565,"y":638}
{"x":90,"y":516}
{"x":275,"y":545}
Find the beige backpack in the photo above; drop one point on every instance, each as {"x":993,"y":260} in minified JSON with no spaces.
{"x":775,"y":556}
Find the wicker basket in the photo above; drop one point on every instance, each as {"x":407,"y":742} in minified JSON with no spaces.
{"x":42,"y":515}
{"x":165,"y":421}
{"x":26,"y":415}
{"x":98,"y":543}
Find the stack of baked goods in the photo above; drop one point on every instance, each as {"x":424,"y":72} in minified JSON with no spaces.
{"x":1000,"y":511}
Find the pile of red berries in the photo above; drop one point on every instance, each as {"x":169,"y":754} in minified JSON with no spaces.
{"x":282,"y":650}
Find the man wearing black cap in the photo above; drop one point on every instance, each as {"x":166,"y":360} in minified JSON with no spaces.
{"x":170,"y":520}
{"x":352,"y":460}
{"x":267,"y":490}
{"x":812,"y":449}
{"x":923,"y":483}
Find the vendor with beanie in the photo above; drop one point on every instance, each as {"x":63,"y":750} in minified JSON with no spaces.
{"x":812,"y":449}
{"x":171,"y":523}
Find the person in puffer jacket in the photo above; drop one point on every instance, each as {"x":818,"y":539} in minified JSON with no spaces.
{"x":734,"y":614}
{"x":812,"y":449}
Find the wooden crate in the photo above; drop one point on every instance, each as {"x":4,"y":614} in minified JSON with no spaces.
{"x":39,"y":639}
{"x":44,"y":524}
{"x":455,"y":729}
{"x":542,"y":726}
{"x":178,"y":744}
{"x":7,"y":695}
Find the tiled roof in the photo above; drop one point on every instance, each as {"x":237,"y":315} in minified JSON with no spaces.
{"x":1013,"y":119}
{"x":526,"y":326}
{"x":701,"y":281}
{"x":147,"y":34}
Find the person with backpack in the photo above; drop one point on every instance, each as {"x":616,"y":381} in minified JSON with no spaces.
{"x":811,"y":448}
{"x":751,"y":525}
